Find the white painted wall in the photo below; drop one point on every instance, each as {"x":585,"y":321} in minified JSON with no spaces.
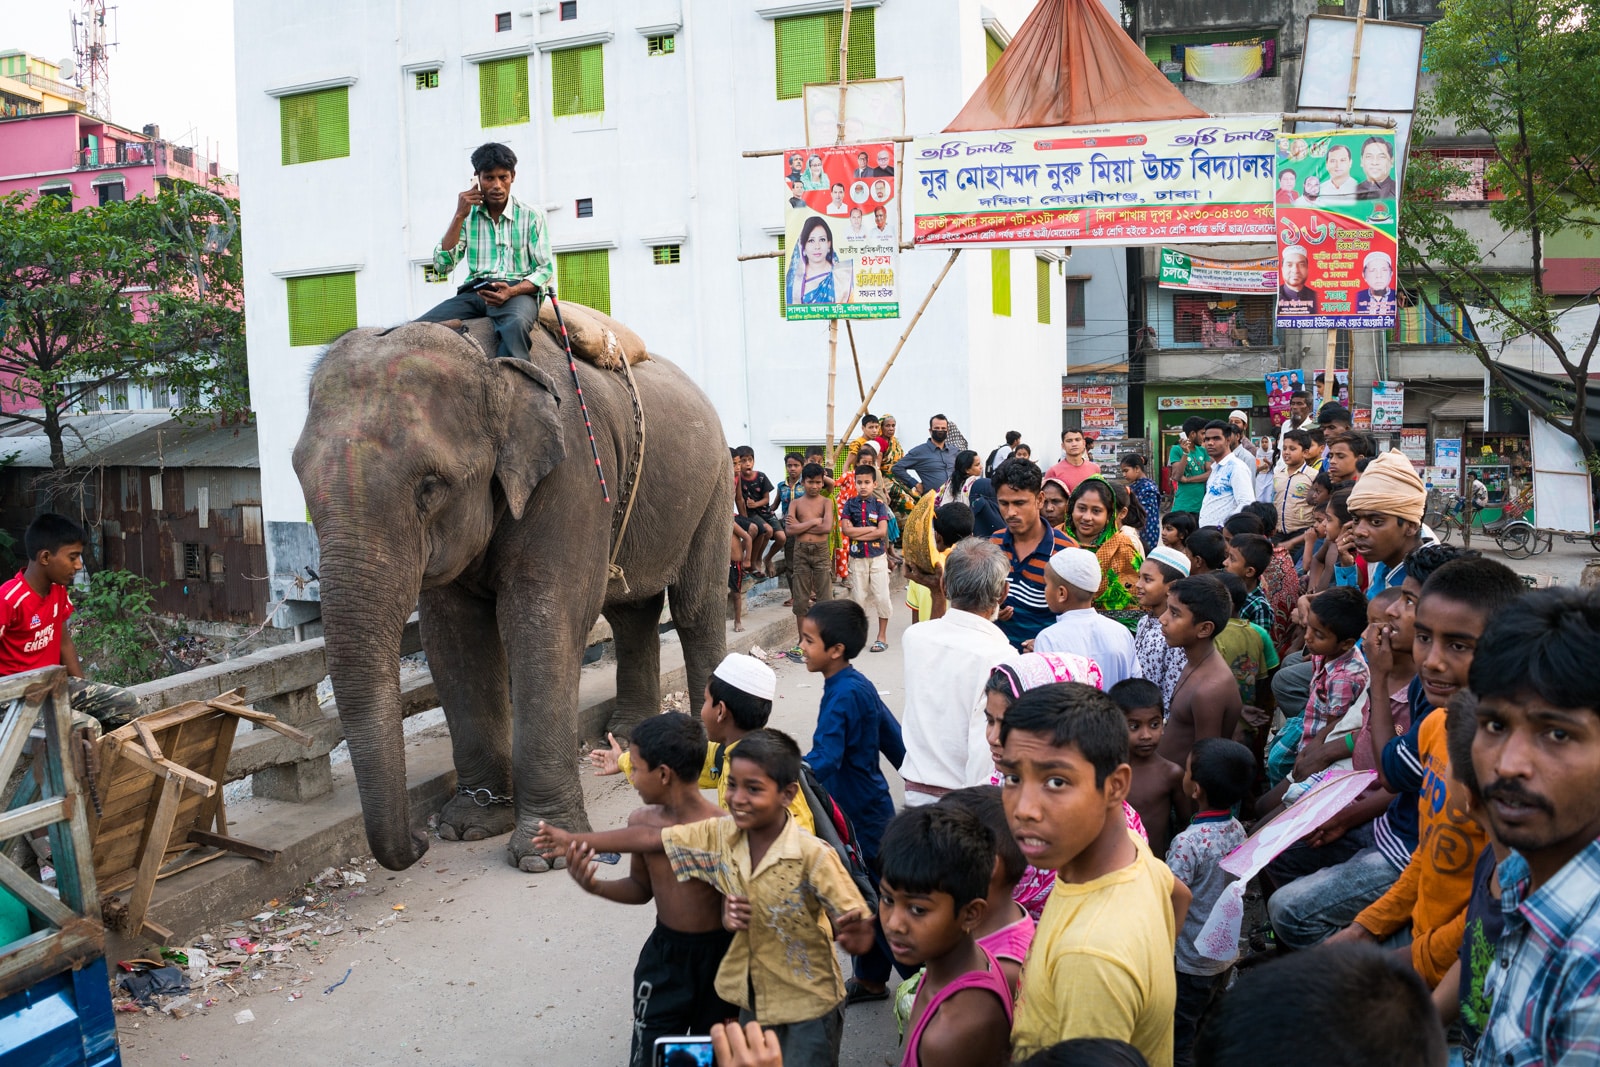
{"x":663,"y":161}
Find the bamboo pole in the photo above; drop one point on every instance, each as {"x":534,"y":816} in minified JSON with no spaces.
{"x":898,"y":345}
{"x":833,"y":373}
{"x":855,"y":358}
{"x":838,"y":139}
{"x":1329,"y":365}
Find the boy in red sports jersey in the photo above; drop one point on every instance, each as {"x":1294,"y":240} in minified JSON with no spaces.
{"x":34,"y":609}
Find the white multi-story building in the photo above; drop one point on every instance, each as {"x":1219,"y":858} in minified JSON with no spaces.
{"x":629,"y":118}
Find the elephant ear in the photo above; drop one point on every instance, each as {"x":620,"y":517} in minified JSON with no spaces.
{"x":530,"y":433}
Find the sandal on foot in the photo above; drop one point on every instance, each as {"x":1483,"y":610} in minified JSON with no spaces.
{"x":856,"y":993}
{"x":879,"y":646}
{"x":796,"y":654}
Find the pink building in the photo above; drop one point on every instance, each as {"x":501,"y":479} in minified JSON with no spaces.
{"x":95,"y":160}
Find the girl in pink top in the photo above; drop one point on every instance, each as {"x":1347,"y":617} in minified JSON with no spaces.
{"x":1009,"y":681}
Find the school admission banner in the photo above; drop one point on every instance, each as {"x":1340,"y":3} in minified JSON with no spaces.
{"x":1337,"y":230}
{"x":842,"y":252}
{"x":1179,"y":270}
{"x":1135,"y":183}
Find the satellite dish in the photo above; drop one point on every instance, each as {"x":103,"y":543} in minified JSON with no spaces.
{"x":69,"y":68}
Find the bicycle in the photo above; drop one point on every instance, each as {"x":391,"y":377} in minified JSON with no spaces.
{"x":1444,"y":514}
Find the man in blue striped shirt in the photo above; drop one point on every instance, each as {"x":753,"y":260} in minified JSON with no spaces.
{"x":1028,"y":542}
{"x":506,"y":245}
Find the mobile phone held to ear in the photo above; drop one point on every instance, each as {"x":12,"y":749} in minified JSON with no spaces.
{"x":683,"y":1052}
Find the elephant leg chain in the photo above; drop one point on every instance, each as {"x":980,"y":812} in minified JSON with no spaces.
{"x":619,"y":520}
{"x":484,"y":798}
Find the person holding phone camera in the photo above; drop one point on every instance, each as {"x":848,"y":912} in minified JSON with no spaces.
{"x":506,"y":245}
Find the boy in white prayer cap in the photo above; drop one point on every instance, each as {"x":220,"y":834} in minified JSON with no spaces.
{"x":1071,"y":580}
{"x":738,"y":700}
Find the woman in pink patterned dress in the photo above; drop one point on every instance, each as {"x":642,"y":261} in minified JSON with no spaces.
{"x":1006,"y":683}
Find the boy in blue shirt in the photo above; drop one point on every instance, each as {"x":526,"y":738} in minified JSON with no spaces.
{"x":853,"y":728}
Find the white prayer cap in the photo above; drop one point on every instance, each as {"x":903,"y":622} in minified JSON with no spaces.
{"x":1078,"y":568}
{"x":1172,"y":558}
{"x":748,"y":675}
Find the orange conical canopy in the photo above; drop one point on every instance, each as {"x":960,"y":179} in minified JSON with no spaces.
{"x":1071,"y":65}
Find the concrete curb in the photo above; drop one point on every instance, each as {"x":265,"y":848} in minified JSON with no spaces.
{"x":329,"y":831}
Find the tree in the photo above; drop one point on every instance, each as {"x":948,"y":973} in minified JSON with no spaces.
{"x":1523,"y":73}
{"x":142,"y":290}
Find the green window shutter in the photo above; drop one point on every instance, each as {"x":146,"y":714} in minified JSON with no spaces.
{"x":1041,"y":274}
{"x":321,"y":307}
{"x":783,"y":279}
{"x":315,"y":125}
{"x":1000,"y":279}
{"x":577,"y":81}
{"x":503,"y":92}
{"x":585,"y":278}
{"x":992,"y":49}
{"x":807,"y":48}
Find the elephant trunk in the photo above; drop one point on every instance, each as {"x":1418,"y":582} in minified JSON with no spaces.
{"x":366,"y":600}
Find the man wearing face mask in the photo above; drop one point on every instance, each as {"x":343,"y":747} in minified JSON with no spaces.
{"x":928,"y":466}
{"x":947,"y":661}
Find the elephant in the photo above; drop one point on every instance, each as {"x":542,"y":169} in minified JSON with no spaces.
{"x":465,"y":486}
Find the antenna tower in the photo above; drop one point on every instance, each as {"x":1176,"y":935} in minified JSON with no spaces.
{"x":91,"y":51}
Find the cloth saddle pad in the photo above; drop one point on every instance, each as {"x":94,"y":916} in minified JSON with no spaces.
{"x":597,"y":338}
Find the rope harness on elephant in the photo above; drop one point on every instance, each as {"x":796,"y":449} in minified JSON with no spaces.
{"x":619,"y":523}
{"x":619,"y":519}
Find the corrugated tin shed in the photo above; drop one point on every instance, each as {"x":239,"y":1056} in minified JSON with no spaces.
{"x":134,"y":439}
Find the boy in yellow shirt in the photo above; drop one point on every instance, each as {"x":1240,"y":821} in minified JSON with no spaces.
{"x":783,"y":888}
{"x":738,"y":700}
{"x":1101,"y":962}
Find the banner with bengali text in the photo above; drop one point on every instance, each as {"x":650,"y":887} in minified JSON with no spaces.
{"x":1179,"y":270}
{"x":1337,"y":230}
{"x":842,"y":255}
{"x":1136,"y":183}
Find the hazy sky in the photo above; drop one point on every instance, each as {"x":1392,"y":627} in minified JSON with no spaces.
{"x":173,"y":64}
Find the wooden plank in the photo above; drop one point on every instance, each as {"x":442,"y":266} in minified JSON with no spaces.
{"x":34,"y":895}
{"x":233,"y":844}
{"x":151,"y":748}
{"x":35,"y":816}
{"x":212,"y":814}
{"x":69,"y":840}
{"x":197,"y":783}
{"x":15,"y":686}
{"x":156,"y":932}
{"x":271,"y":722}
{"x":154,"y":851}
{"x":38,"y":956}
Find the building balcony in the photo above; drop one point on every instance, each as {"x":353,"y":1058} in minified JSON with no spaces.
{"x":54,"y":87}
{"x":1211,"y":364}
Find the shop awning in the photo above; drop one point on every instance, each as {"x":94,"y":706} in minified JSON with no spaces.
{"x":1071,"y":65}
{"x":1557,"y":389}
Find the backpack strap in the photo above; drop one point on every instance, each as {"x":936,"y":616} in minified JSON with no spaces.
{"x":718,"y":758}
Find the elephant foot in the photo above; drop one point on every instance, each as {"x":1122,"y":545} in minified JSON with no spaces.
{"x":465,"y":820}
{"x":522,"y":854}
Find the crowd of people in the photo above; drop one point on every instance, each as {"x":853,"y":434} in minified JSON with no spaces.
{"x":1102,"y":702}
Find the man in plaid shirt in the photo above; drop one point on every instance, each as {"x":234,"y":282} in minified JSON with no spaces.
{"x":1537,"y":758}
{"x":506,"y":245}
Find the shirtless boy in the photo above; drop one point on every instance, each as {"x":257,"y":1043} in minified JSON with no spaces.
{"x":1206,"y":702}
{"x":674,"y":979}
{"x":811,"y":564}
{"x":1156,"y":792}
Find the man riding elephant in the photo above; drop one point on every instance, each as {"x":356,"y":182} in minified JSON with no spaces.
{"x":506,"y":245}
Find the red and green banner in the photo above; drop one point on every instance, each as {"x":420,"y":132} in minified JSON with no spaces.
{"x":1337,"y":230}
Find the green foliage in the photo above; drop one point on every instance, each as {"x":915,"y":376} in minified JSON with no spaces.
{"x":114,"y":629}
{"x":145,"y":289}
{"x":1522,"y":74}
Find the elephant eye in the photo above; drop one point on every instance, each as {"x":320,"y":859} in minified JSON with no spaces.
{"x":430,"y":492}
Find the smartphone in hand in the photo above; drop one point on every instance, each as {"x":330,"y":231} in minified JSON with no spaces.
{"x":685,"y":1050}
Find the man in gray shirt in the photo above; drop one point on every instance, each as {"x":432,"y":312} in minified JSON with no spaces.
{"x":932,"y":460}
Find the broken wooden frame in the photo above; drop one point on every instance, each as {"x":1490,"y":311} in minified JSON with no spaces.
{"x":160,"y":784}
{"x":74,"y":935}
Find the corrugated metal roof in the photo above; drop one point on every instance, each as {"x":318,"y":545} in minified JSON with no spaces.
{"x":134,"y":439}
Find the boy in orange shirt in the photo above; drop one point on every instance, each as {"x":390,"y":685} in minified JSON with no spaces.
{"x":1430,"y":896}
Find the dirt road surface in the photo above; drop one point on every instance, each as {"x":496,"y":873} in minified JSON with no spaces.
{"x":484,"y":966}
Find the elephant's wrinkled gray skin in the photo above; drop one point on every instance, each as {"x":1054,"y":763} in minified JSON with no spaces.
{"x":430,"y":470}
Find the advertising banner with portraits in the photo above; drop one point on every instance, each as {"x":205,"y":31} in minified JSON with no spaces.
{"x":1281,"y":387}
{"x":1337,"y":230}
{"x":1135,"y":183}
{"x":1179,"y":270}
{"x":841,"y":242}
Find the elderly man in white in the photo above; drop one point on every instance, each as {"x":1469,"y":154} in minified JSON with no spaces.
{"x":947,"y":663}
